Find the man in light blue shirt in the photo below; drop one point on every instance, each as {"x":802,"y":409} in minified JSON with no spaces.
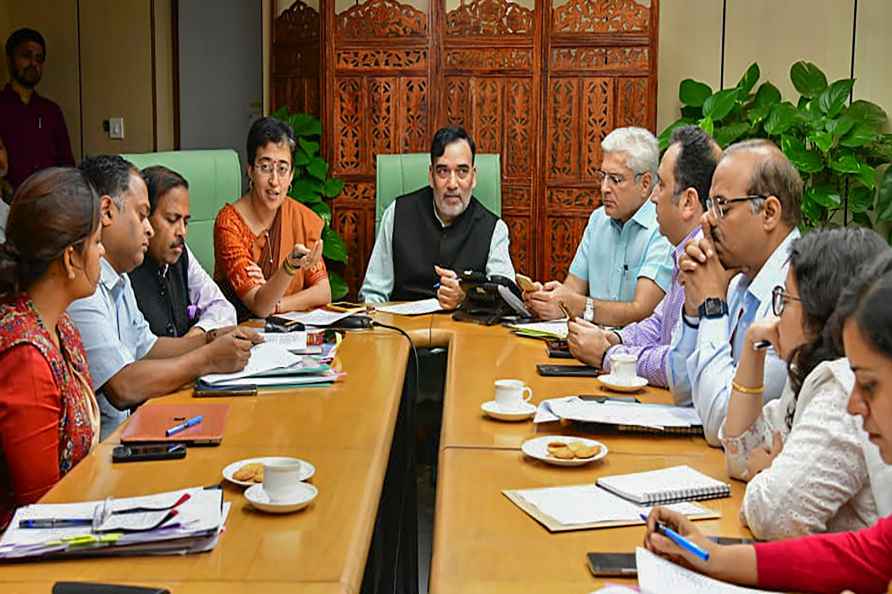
{"x":128,"y":364}
{"x":623,"y":266}
{"x":751,"y":219}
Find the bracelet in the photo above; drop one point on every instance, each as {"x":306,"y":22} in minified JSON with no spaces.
{"x":687,"y":321}
{"x":745,"y":390}
{"x":618,"y":336}
{"x":290,"y":268}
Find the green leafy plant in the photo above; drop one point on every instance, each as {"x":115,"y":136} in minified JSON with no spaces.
{"x":313,"y":188}
{"x":838,"y":147}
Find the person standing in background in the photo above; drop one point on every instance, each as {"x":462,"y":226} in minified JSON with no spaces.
{"x":31,"y":125}
{"x":5,"y":190}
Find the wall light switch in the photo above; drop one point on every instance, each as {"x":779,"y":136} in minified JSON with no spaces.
{"x":116,"y":128}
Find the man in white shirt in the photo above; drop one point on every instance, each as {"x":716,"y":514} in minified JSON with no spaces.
{"x":752,"y":214}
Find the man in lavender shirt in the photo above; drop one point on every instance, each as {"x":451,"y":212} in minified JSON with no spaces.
{"x":680,"y":193}
{"x":174,"y":293}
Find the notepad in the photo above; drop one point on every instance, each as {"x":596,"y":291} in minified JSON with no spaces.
{"x":659,"y":576}
{"x":677,"y":483}
{"x":412,"y":308}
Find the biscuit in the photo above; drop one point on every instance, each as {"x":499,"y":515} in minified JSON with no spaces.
{"x":556,"y":444}
{"x":563,"y":454}
{"x":575,"y":446}
{"x":258,"y":476}
{"x":586,"y":451}
{"x":248,"y":472}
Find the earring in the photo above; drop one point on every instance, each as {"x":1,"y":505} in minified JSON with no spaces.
{"x":250,"y":183}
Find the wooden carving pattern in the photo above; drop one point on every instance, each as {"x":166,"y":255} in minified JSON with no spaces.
{"x":356,"y":193}
{"x":377,"y":19}
{"x":457,"y":108}
{"x":298,"y":22}
{"x":583,"y":200}
{"x":519,"y":150}
{"x":364,"y":59}
{"x":348,"y":125}
{"x":351,"y":225}
{"x":562,"y":236}
{"x":519,"y":248}
{"x":298,"y":94}
{"x":489,"y":17}
{"x":597,"y":99}
{"x":381,"y":121}
{"x":562,"y":129}
{"x":488,"y":124}
{"x":600,"y":58}
{"x":632,"y":110}
{"x":516,"y":199}
{"x":601,"y":16}
{"x":489,"y":58}
{"x":416,"y":134}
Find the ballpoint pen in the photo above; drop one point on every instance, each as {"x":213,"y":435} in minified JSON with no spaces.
{"x":680,"y":540}
{"x":761,"y":345}
{"x":55,"y":522}
{"x":184,"y":425}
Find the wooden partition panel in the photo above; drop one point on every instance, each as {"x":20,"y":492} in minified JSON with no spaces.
{"x":540,"y":82}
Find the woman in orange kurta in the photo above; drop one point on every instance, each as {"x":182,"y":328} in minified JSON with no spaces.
{"x":268,"y":247}
{"x":49,"y":418}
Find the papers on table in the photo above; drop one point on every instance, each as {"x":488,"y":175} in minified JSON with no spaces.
{"x":317,"y":317}
{"x":659,"y":576}
{"x":296,"y":342}
{"x":273,"y":365}
{"x":578,"y":507}
{"x":264,"y":357}
{"x":655,"y":416}
{"x":411,"y":308}
{"x":556,"y":329}
{"x":195,"y":527}
{"x":676,"y":483}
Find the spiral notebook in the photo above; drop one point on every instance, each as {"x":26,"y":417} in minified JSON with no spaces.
{"x":668,"y":485}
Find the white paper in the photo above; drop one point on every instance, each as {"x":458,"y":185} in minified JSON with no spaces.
{"x":659,"y":576}
{"x":411,"y":308}
{"x":317,"y":317}
{"x":264,"y":357}
{"x":287,"y":380}
{"x":296,"y":342}
{"x":666,"y":482}
{"x":588,"y":504}
{"x":556,"y":329}
{"x":658,"y":416}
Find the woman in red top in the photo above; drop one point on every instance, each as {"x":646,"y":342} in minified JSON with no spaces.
{"x":860,"y":561}
{"x":49,"y":419}
{"x":268,"y":247}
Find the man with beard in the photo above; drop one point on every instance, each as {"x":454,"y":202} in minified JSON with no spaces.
{"x":751,"y":218}
{"x":32,"y":126}
{"x":174,"y":293}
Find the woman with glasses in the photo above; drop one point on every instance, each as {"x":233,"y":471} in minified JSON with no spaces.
{"x":860,"y":561}
{"x":49,"y":418}
{"x":809,"y":465}
{"x":268,"y":247}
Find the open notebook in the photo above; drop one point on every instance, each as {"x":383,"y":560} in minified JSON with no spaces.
{"x":667,"y":485}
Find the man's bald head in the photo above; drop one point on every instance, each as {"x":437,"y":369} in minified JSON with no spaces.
{"x":771,"y":174}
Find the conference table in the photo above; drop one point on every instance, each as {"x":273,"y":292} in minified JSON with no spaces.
{"x":482,"y":541}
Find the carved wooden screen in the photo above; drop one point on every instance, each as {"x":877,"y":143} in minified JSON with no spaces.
{"x":539,"y":82}
{"x":295,"y":67}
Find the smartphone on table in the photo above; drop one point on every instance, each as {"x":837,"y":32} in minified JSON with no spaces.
{"x":524,"y":282}
{"x":138,"y":453}
{"x":567,"y":370}
{"x":612,"y":564}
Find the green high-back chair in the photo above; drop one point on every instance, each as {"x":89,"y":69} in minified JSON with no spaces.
{"x":214,"y":177}
{"x":401,"y":174}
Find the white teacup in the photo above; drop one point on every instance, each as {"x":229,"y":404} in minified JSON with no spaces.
{"x":624,"y":366}
{"x":280,"y":479}
{"x":511,"y":393}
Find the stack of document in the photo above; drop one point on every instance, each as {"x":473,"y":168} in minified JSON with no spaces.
{"x":317,"y":317}
{"x":659,"y":576}
{"x":543,"y":330}
{"x":273,"y":365}
{"x":172,"y":523}
{"x":411,"y":308}
{"x":625,"y":415}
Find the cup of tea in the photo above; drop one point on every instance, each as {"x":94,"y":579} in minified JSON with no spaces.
{"x":624,"y":366}
{"x":280,"y":479}
{"x":512,"y":393}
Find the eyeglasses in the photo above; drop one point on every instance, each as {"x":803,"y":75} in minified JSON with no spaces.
{"x":461,"y":172}
{"x":281,"y":168}
{"x":718,"y":205}
{"x":614,"y":179}
{"x":779,"y":298}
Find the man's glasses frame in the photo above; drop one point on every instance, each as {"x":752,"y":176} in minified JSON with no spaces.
{"x":717,"y":206}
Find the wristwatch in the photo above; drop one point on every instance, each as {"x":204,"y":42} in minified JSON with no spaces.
{"x":712,"y":308}
{"x":589,"y":314}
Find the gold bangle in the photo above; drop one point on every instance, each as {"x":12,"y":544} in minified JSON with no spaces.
{"x":745,"y":390}
{"x":290,"y":269}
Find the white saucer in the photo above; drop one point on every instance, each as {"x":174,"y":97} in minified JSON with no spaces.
{"x":306,"y":469}
{"x":302,"y":495}
{"x":538,"y":448}
{"x":496,"y":411}
{"x":614,"y":383}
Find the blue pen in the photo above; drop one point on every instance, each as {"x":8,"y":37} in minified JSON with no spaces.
{"x":436,"y":286}
{"x":680,"y":540}
{"x":184,"y":425}
{"x":55,"y":522}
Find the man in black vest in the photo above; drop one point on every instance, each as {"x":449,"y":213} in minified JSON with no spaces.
{"x":174,"y":293}
{"x":427,"y":236}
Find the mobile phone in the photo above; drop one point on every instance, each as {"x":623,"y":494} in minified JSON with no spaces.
{"x":138,"y":453}
{"x":280,"y":324}
{"x":729,"y":540}
{"x":602,"y":398}
{"x":558,"y":349}
{"x":524,"y":282}
{"x":567,"y":370}
{"x":612,"y":564}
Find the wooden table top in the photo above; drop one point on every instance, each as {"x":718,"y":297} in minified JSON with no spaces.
{"x":483,"y":543}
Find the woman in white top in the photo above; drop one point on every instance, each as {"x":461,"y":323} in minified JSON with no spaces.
{"x":809,"y":464}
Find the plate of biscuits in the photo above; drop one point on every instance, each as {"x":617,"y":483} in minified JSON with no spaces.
{"x":564,"y":450}
{"x":250,"y":471}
